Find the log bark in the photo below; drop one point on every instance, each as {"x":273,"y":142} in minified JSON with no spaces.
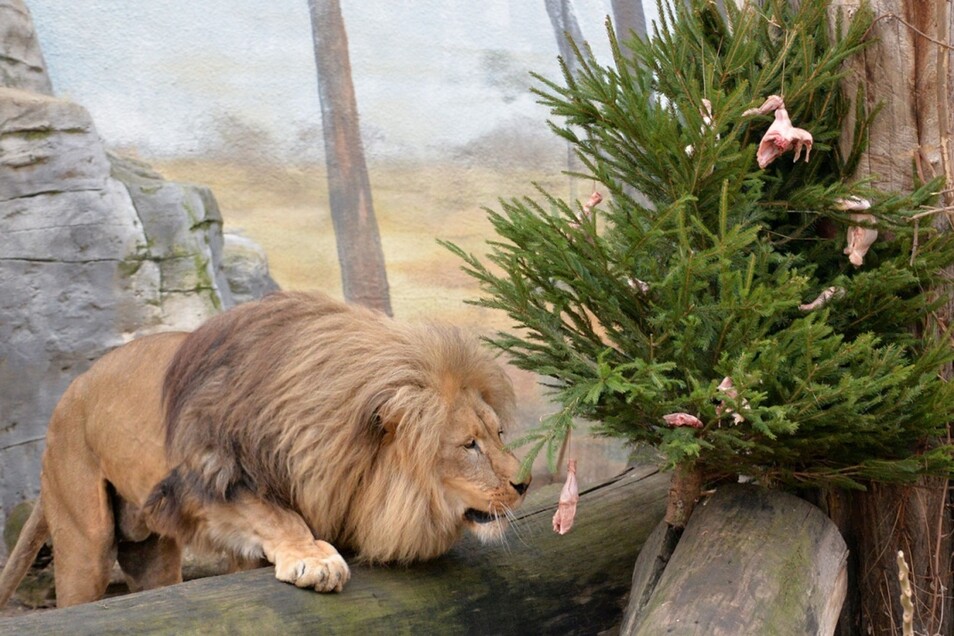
{"x":539,"y":582}
{"x":907,"y":71}
{"x":750,"y":561}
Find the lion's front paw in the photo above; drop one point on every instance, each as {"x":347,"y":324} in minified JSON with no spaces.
{"x":318,"y":566}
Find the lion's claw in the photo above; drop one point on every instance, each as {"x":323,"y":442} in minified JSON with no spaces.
{"x":320,"y":568}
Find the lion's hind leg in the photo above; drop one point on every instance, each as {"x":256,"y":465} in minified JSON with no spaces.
{"x":77,"y":504}
{"x":84,"y":540}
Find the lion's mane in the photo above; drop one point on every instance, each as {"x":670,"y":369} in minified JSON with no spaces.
{"x":296,"y":399}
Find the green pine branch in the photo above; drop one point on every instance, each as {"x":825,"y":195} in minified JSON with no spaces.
{"x":698,"y":264}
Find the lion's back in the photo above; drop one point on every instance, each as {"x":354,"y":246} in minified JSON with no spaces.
{"x":254,"y":385}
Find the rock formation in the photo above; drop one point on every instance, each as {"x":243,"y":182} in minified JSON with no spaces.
{"x":246,"y":268}
{"x":94,"y":251}
{"x":21,"y":61}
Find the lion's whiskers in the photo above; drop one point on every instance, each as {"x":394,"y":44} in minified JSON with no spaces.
{"x":515,"y":523}
{"x":501,"y":530}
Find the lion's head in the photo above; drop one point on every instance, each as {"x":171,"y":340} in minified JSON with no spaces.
{"x":479,"y":472}
{"x":385,"y":437}
{"x":445,"y":464}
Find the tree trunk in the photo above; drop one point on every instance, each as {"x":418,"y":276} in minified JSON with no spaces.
{"x":907,"y":70}
{"x":363,"y":274}
{"x":539,"y":582}
{"x":751,"y":561}
{"x":684,"y":491}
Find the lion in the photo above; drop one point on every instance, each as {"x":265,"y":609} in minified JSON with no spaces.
{"x":276,"y":431}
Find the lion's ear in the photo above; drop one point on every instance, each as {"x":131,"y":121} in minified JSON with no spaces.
{"x":388,"y":421}
{"x":391,"y":408}
{"x":384,"y":416}
{"x":387,"y":428}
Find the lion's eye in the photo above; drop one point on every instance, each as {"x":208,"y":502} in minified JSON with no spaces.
{"x":500,"y":433}
{"x":471,"y":445}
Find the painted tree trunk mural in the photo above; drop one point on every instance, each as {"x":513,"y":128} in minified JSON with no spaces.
{"x":907,"y":71}
{"x":363,"y":273}
{"x":628,"y":18}
{"x":565,"y":25}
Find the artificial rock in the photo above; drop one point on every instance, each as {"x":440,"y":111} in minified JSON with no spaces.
{"x":94,"y":250}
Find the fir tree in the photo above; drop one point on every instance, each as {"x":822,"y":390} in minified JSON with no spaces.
{"x":699,"y":266}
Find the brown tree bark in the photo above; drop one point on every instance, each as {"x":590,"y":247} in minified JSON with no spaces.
{"x":684,"y":491}
{"x":907,"y":70}
{"x":363,"y":274}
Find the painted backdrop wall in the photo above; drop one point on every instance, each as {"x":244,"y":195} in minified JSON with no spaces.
{"x":224,"y":93}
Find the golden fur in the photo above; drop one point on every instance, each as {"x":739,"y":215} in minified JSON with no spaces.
{"x":283,"y":425}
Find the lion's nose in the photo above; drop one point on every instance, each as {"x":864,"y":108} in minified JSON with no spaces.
{"x":521,"y":487}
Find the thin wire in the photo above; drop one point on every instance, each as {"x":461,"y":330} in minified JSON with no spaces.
{"x":784,"y":63}
{"x":910,"y":26}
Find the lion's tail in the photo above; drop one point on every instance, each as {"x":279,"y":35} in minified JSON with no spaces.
{"x":35,"y":532}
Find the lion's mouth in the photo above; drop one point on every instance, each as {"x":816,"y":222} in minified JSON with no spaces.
{"x":479,"y":516}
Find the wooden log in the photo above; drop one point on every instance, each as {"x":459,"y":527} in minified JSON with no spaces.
{"x":750,"y":561}
{"x":539,"y":582}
